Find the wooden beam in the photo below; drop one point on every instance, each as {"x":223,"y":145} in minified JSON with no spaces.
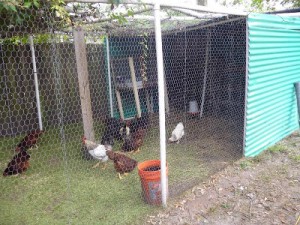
{"x":134,"y":86}
{"x":207,"y":54}
{"x":118,"y":94}
{"x":83,"y":80}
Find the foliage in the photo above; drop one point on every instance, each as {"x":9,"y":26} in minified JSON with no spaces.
{"x":28,"y":15}
{"x":38,"y":39}
{"x":120,"y":17}
{"x":294,"y":3}
{"x":261,"y":5}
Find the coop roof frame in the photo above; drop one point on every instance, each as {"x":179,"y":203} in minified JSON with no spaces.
{"x":199,"y":13}
{"x":192,"y":7}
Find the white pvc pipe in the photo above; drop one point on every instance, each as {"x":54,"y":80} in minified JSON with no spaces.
{"x":36,"y":83}
{"x":161,"y":98}
{"x":200,"y":8}
{"x":171,"y":4}
{"x":172,"y":18}
{"x":109,"y":79}
{"x":199,"y":15}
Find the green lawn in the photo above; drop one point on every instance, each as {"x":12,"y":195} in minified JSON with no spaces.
{"x":60,"y":186}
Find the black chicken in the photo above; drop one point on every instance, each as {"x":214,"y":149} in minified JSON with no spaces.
{"x":113,"y":130}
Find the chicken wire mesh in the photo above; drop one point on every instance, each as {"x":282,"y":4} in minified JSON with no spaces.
{"x":106,"y":124}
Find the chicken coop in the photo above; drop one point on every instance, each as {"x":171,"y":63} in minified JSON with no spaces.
{"x":194,"y":87}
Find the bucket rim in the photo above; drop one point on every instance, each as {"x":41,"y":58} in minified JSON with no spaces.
{"x":142,"y":165}
{"x":147,"y":163}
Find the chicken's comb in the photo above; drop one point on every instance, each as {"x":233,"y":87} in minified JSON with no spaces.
{"x":83,"y":139}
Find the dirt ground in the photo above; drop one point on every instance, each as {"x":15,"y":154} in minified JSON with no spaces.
{"x":261,"y":190}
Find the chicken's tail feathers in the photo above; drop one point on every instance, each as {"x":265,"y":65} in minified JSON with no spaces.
{"x":173,"y":138}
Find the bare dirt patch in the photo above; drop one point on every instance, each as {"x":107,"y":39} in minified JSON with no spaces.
{"x":260,"y":190}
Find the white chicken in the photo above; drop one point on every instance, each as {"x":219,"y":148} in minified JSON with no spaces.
{"x":177,"y":133}
{"x":97,"y":151}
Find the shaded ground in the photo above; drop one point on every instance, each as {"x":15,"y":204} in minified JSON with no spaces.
{"x":261,"y":190}
{"x":210,"y":144}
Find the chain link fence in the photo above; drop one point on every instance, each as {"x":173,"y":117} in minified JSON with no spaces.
{"x":204,"y":65}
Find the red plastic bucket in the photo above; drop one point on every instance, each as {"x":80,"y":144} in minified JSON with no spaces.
{"x":149,"y":172}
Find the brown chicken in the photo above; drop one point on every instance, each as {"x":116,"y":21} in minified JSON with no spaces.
{"x":18,"y":164}
{"x":135,"y":138}
{"x":133,"y":141}
{"x":123,"y":164}
{"x":29,"y":140}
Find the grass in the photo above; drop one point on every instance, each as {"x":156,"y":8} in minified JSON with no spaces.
{"x":61,"y":187}
{"x":277,"y":148}
{"x":245,"y":164}
{"x":295,"y":158}
{"x":225,"y":205}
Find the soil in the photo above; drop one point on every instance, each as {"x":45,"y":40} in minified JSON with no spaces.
{"x":260,"y":190}
{"x":152,"y":168}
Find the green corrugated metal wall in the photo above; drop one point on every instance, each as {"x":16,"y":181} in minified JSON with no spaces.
{"x":273,"y":67}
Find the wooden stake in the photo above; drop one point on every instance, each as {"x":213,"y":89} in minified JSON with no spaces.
{"x":134,"y":86}
{"x":118,"y":94}
{"x":83,"y":80}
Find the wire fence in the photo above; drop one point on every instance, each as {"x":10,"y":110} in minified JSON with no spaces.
{"x":99,"y":123}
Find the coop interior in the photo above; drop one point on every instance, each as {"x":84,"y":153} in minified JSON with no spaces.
{"x":204,"y":68}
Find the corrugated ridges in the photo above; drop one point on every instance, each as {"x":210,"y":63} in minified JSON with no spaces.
{"x":273,"y":68}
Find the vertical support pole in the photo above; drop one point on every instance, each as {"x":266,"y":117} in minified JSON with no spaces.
{"x":205,"y":73}
{"x":36,"y":83}
{"x":134,"y":86}
{"x":109,"y":79}
{"x":161,"y":98}
{"x":83,"y":80}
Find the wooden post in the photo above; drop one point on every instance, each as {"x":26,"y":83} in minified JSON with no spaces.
{"x":134,"y":86}
{"x":207,"y":52}
{"x":83,"y":80}
{"x":118,"y":94}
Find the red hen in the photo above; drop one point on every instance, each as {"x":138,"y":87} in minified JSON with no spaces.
{"x":123,"y":164}
{"x":29,"y":141}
